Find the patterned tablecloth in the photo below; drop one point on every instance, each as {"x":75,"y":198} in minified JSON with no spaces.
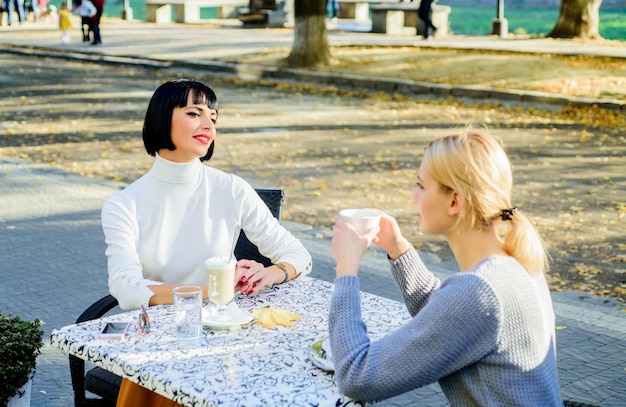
{"x":247,"y":366}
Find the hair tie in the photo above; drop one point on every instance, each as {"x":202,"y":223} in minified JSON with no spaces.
{"x":508,"y":213}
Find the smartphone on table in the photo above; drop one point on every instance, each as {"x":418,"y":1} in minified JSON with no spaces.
{"x":115,"y":330}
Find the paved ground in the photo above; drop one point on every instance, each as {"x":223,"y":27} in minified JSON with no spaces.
{"x":51,"y":245}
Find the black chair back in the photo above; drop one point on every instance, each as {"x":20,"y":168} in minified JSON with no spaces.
{"x":245,"y":249}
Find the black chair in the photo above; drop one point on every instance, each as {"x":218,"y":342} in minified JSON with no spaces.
{"x":106,"y":384}
{"x":244,"y":249}
{"x":98,"y":381}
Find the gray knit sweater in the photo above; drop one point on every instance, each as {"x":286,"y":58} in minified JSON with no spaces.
{"x":487,"y":336}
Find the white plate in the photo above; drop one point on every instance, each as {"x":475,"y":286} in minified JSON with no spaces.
{"x":238,"y":317}
{"x":320,"y":355}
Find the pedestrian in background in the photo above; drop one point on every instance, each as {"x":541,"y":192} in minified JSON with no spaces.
{"x":86,"y":10}
{"x":11,"y":4}
{"x":43,"y":5}
{"x":4,"y":8}
{"x":424,"y":12}
{"x":95,"y":21}
{"x":65,"y":24}
{"x":486,"y":333}
{"x":43,"y":11}
{"x":332,"y":6}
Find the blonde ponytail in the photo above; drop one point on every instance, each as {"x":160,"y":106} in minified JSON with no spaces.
{"x":523,"y":242}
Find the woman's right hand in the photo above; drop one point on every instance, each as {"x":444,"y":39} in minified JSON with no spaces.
{"x":348,"y":247}
{"x":390,"y":238}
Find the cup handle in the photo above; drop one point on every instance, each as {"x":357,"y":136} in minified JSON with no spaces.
{"x":212,"y":285}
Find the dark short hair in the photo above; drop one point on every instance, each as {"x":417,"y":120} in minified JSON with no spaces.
{"x":157,"y":125}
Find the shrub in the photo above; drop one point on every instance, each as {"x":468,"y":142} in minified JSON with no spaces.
{"x":20,"y":344}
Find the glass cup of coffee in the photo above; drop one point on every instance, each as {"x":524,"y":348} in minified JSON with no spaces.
{"x":221,"y":283}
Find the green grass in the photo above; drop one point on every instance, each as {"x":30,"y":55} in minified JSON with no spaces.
{"x":464,"y":20}
{"x":613,"y":25}
{"x":477,"y":21}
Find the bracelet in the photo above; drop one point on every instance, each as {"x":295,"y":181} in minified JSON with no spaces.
{"x":284,"y":269}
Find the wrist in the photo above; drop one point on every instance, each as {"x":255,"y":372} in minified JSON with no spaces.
{"x":401,"y":247}
{"x":284,"y":273}
{"x":347,"y":269}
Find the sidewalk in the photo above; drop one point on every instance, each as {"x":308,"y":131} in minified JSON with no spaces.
{"x":51,"y":243}
{"x":219,"y":38}
{"x":51,"y":249}
{"x":198,"y":46}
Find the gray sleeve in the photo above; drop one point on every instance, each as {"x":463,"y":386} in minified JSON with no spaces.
{"x":415,"y":281}
{"x":459,"y":325}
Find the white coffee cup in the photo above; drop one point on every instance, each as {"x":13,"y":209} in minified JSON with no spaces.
{"x":361,"y":219}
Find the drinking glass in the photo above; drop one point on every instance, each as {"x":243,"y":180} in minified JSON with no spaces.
{"x":188,"y":306}
{"x":221,"y":283}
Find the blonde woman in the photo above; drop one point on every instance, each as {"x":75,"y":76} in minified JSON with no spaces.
{"x":486,"y":334}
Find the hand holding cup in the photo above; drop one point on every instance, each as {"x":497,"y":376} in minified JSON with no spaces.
{"x":349,"y":247}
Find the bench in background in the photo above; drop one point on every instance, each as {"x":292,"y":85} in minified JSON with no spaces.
{"x":359,"y":10}
{"x":267,"y":13}
{"x":188,"y":11}
{"x":401,"y":18}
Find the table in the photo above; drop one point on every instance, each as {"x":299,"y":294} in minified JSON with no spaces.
{"x":249,"y":366}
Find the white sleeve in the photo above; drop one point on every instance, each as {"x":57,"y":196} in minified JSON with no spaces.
{"x":272,"y":239}
{"x":126,"y":281}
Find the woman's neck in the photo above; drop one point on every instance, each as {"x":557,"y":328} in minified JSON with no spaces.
{"x":471,"y":246}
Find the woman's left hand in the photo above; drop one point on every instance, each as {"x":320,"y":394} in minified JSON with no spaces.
{"x":251,"y":277}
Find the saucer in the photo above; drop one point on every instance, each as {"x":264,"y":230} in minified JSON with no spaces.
{"x":321,"y":356}
{"x":238,"y":317}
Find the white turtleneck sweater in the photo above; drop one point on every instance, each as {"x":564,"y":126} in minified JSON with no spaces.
{"x":162,"y":227}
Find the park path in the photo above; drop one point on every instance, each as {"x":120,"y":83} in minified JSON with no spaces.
{"x":51,"y":245}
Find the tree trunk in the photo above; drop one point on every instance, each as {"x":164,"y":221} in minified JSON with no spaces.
{"x":578,"y":19}
{"x":310,"y":44}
